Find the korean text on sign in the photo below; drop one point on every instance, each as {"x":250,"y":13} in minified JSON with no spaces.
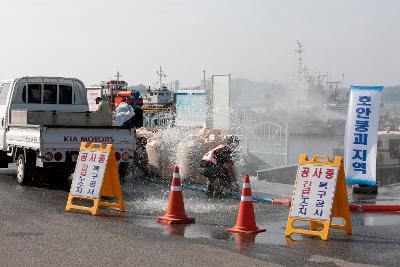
{"x":89,"y":174}
{"x":314,"y":192}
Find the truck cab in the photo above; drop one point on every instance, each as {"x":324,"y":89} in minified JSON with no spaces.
{"x":39,"y":94}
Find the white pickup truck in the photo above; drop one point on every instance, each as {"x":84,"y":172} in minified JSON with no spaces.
{"x":44,"y":120}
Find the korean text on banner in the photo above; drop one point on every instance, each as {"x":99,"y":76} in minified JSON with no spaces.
{"x":361,"y":134}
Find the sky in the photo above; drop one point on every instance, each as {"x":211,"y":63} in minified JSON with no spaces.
{"x":92,"y":39}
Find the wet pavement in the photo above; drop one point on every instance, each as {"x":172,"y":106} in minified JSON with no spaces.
{"x":33,"y":222}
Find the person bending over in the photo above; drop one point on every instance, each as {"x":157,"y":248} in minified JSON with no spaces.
{"x":217,"y":166}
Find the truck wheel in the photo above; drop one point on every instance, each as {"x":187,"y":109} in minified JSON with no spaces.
{"x":4,"y":160}
{"x":22,"y":171}
{"x":122,"y":171}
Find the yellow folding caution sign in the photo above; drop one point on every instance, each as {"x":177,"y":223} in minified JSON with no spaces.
{"x":95,"y":176}
{"x":319,"y":195}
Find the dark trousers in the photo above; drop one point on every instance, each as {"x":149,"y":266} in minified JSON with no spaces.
{"x":215,"y":172}
{"x":138,"y":118}
{"x":128,"y":123}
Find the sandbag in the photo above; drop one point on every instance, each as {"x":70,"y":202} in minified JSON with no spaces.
{"x":192,"y":149}
{"x":161,"y":150}
{"x":185,"y":148}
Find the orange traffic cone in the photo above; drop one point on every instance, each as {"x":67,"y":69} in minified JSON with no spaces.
{"x":176,"y":209}
{"x":246,"y":221}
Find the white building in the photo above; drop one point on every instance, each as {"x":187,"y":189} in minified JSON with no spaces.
{"x":174,"y":85}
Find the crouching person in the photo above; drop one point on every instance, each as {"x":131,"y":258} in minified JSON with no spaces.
{"x":217,"y":166}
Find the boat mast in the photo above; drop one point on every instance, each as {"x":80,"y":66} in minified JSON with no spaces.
{"x":161,"y":74}
{"x":299,"y":52}
{"x":118,"y":75}
{"x":115,"y":86}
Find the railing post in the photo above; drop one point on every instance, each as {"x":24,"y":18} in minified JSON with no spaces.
{"x":287,"y":144}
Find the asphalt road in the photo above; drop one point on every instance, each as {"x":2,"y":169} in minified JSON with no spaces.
{"x":36,"y":231}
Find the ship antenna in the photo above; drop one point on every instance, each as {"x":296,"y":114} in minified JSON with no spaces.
{"x":161,"y":74}
{"x":299,"y":52}
{"x":118,"y":76}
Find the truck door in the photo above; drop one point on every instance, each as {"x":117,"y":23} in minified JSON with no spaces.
{"x":4,"y":89}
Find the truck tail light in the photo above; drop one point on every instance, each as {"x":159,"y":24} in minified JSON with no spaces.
{"x":126,"y":156}
{"x":117,"y":156}
{"x":48,"y":156}
{"x":58,"y":156}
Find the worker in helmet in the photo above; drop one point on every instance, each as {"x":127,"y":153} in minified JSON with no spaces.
{"x":217,"y":166}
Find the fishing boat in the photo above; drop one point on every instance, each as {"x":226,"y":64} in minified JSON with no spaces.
{"x":111,"y":89}
{"x":160,"y":96}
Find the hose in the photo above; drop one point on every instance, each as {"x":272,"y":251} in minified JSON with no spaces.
{"x":286,"y":202}
{"x":372,"y":208}
{"x":234,"y":195}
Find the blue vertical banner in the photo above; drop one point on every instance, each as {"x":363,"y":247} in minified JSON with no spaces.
{"x":361,"y":136}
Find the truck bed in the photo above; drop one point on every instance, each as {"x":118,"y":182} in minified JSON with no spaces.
{"x":61,"y":118}
{"x":69,"y":137}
